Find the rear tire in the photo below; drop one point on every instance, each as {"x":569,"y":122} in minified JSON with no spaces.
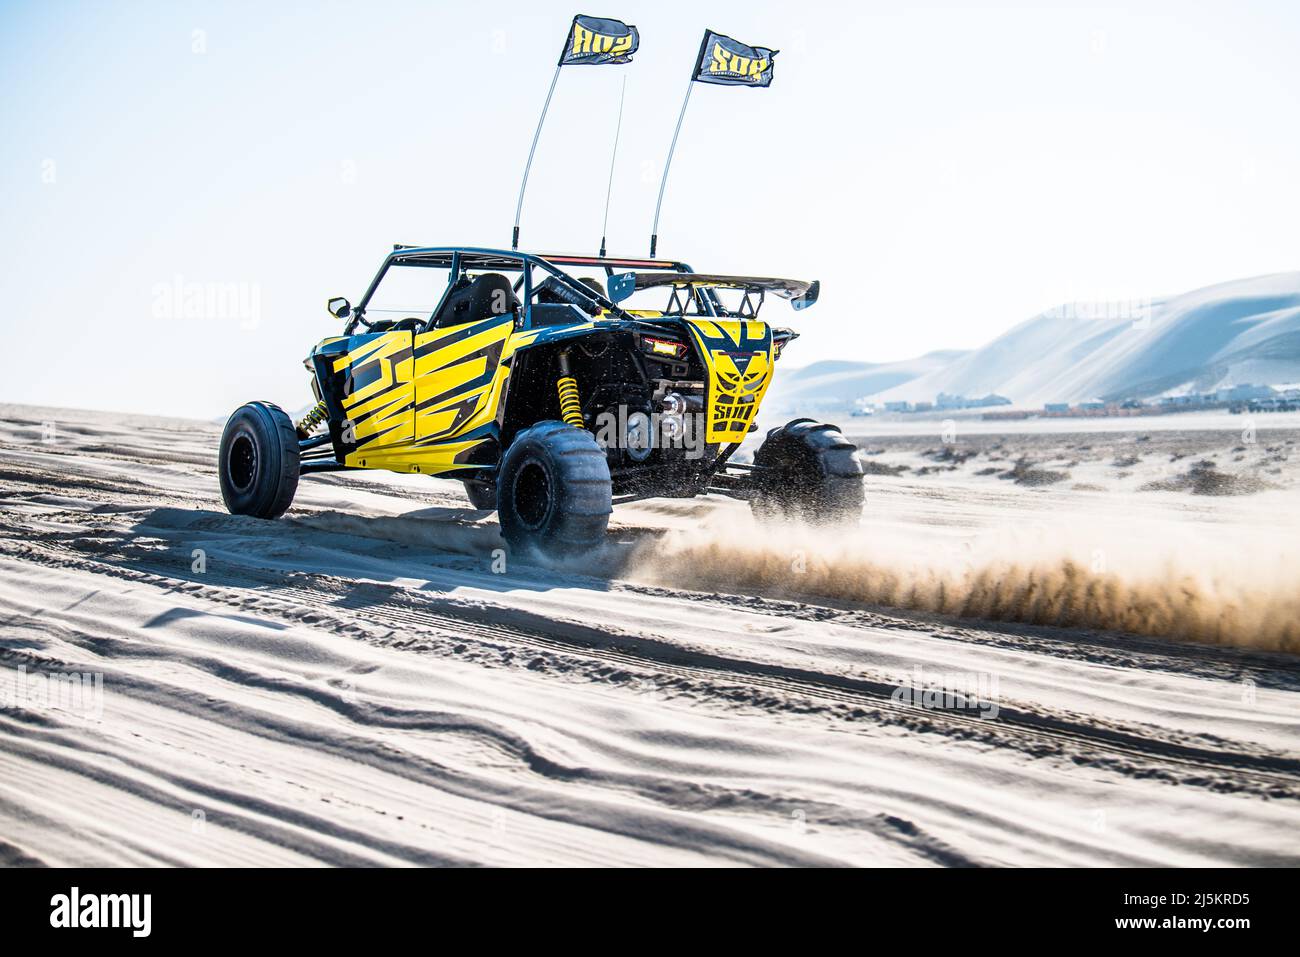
{"x":553,"y":490}
{"x":481,"y":495}
{"x":808,"y":471}
{"x":258,"y":463}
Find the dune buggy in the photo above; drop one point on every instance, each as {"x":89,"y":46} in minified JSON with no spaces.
{"x":533,"y":380}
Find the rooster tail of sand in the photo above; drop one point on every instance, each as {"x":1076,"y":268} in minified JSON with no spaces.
{"x":1173,"y":590}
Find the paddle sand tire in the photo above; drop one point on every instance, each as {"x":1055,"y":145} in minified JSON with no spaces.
{"x":553,"y":490}
{"x":808,"y":471}
{"x":481,"y":495}
{"x":258,"y":462}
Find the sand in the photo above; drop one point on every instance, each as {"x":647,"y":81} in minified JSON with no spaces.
{"x":362,"y":682}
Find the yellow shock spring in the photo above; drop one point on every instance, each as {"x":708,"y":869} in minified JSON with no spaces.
{"x":570,"y":404}
{"x":311,"y":420}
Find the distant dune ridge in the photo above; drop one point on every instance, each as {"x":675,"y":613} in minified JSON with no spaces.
{"x":1241,"y":332}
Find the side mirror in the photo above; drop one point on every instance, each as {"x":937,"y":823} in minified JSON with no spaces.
{"x":621,"y":286}
{"x":339,"y":307}
{"x":808,"y":298}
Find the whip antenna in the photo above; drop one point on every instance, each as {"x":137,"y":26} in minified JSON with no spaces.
{"x":654,"y":230}
{"x":519,"y":207}
{"x":725,"y":62}
{"x":591,"y":41}
{"x":604,"y":228}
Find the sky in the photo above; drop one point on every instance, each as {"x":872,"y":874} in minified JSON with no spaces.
{"x":946,"y":170}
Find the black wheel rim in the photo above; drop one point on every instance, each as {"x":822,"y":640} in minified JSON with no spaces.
{"x":533,"y":495}
{"x":242,"y":463}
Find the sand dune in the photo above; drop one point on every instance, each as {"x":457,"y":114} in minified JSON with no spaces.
{"x":1234,"y":333}
{"x":356,"y":685}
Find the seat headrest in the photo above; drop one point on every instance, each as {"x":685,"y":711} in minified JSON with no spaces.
{"x":491,"y":294}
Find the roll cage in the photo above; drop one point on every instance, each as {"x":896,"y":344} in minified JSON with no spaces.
{"x":458,"y":260}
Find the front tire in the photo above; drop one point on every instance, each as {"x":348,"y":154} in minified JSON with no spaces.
{"x":258,"y":464}
{"x":808,"y":471}
{"x":553,"y":490}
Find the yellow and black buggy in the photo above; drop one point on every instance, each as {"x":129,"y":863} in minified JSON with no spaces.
{"x":549,"y":395}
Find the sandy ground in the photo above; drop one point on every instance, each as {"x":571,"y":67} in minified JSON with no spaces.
{"x":1213,"y":453}
{"x":365,"y":682}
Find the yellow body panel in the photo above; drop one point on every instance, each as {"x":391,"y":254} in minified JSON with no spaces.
{"x":415,"y":399}
{"x":739,"y":357}
{"x":423,"y":393}
{"x":428,"y":461}
{"x":379,"y":412}
{"x":456,"y":378}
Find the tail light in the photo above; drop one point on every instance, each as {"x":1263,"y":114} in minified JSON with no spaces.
{"x":666,"y":348}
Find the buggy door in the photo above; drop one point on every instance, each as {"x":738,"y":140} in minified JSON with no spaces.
{"x":457,"y":365}
{"x":371,"y":377}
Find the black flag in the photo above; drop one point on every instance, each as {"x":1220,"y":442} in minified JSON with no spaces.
{"x":729,"y":62}
{"x":593,"y":40}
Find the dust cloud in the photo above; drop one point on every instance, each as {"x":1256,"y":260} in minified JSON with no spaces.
{"x":1163,"y":585}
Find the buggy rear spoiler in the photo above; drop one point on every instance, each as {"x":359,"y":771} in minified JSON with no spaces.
{"x":800,"y":293}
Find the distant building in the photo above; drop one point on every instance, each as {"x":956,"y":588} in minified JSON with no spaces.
{"x":1244,"y":393}
{"x":898,"y":407}
{"x":1092,"y":405}
{"x":923,"y":407}
{"x":1056,"y":407}
{"x":946,"y":401}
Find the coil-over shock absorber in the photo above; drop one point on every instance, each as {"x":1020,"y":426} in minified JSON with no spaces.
{"x":570,"y":403}
{"x":311,"y":420}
